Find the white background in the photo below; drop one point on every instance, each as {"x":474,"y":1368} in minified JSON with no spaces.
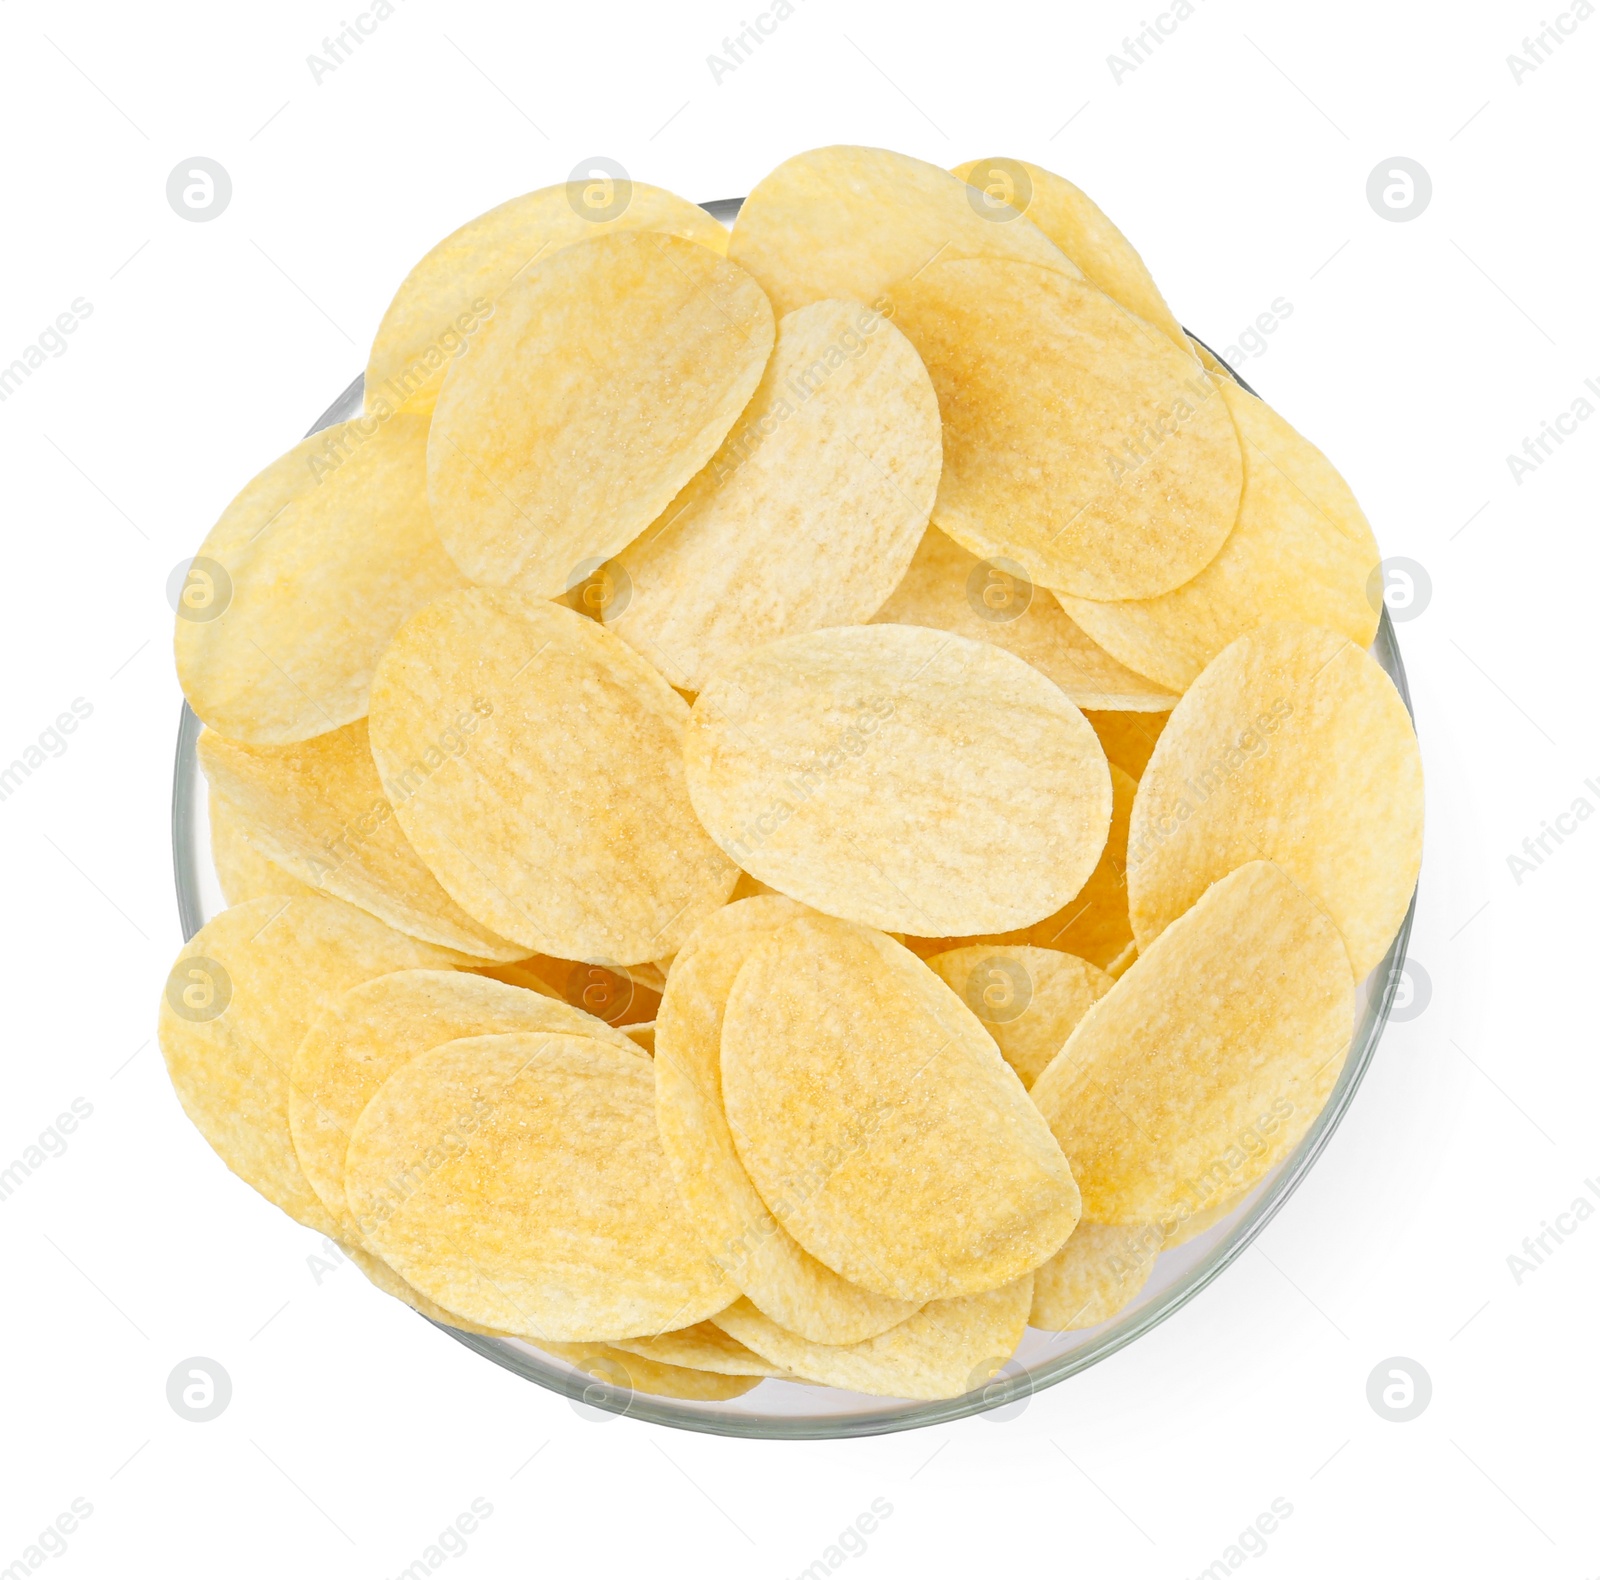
{"x":1417,"y":354}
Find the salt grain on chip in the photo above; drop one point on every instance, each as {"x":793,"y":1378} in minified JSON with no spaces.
{"x":1079,"y":441}
{"x":534,"y":761}
{"x":518,"y":1180}
{"x":1206,"y":1063}
{"x":608,"y":376}
{"x":880,"y":1124}
{"x":1295,"y":746}
{"x":808,"y":514}
{"x":910,"y":779}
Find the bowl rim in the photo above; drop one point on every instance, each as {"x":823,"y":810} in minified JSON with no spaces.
{"x":1016,"y":1382}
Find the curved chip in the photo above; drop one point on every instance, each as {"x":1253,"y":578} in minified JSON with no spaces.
{"x":534,"y":761}
{"x":1078,"y":226}
{"x":518,"y":1180}
{"x":948,"y":1348}
{"x":849,"y":222}
{"x":365,"y":1034}
{"x":301,"y":583}
{"x":1206,"y":1063}
{"x":753,"y":1248}
{"x":606,"y":379}
{"x":452,"y":290}
{"x":623,"y":1375}
{"x":380,"y":1275}
{"x":948,"y":589}
{"x":704,"y":1347}
{"x":1079,"y":441}
{"x":243,"y":873}
{"x":1180,"y":1231}
{"x":1294,"y":746}
{"x":1300,"y":549}
{"x":880,"y":1124}
{"x":1094,"y":1275}
{"x":240,"y":996}
{"x":913,"y":780}
{"x":318,"y":810}
{"x":1028,"y":998}
{"x":808,"y":514}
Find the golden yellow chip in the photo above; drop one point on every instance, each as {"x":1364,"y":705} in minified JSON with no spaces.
{"x":1300,"y":550}
{"x":751,"y":1246}
{"x":1078,"y":226}
{"x":1028,"y":998}
{"x":606,"y":379}
{"x":704,"y":1347}
{"x":318,"y":810}
{"x":240,"y":996}
{"x":1182,"y":1230}
{"x":1079,"y":442}
{"x":913,"y":780}
{"x":643,"y":1035}
{"x":1094,"y":1275}
{"x":808,"y":514}
{"x":381,"y":1276}
{"x":242,"y":871}
{"x":451,"y":293}
{"x":518,"y":1180}
{"x":624,"y":1374}
{"x":1205,"y":1064}
{"x":1218,"y":369}
{"x":1293,"y":746}
{"x":849,"y":222}
{"x":301,"y":583}
{"x":363,"y":1036}
{"x":534,"y":761}
{"x":948,"y":1348}
{"x":951,"y":590}
{"x":880,"y":1124}
{"x":1128,"y":738}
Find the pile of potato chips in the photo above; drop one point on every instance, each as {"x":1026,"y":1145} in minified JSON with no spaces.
{"x":793,"y":803}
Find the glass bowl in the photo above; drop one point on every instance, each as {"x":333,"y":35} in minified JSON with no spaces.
{"x":777,"y":1409}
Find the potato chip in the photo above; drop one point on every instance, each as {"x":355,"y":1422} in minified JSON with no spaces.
{"x":704,"y":1347}
{"x":1206,"y":1063}
{"x":1077,"y":225}
{"x":880,"y":1124}
{"x":301,"y":583}
{"x":621,"y":996}
{"x":809,"y":513}
{"x":948,"y":1348}
{"x":643,"y":1036}
{"x":242,"y":871}
{"x":518,"y":1180}
{"x":380,"y":1275}
{"x":317,"y":809}
{"x":1293,"y":746}
{"x":949,"y":589}
{"x":365,"y":1034}
{"x":1218,"y":369}
{"x":624,"y":1375}
{"x":1300,"y":550}
{"x":1128,"y":738}
{"x":910,"y":779}
{"x":1079,"y":442}
{"x":534,"y":761}
{"x":452,"y":291}
{"x":1094,"y":1275}
{"x":1028,"y":999}
{"x":849,"y":222}
{"x":1180,"y":1231}
{"x":606,"y":379}
{"x":751,"y":1246}
{"x":239,"y":998}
